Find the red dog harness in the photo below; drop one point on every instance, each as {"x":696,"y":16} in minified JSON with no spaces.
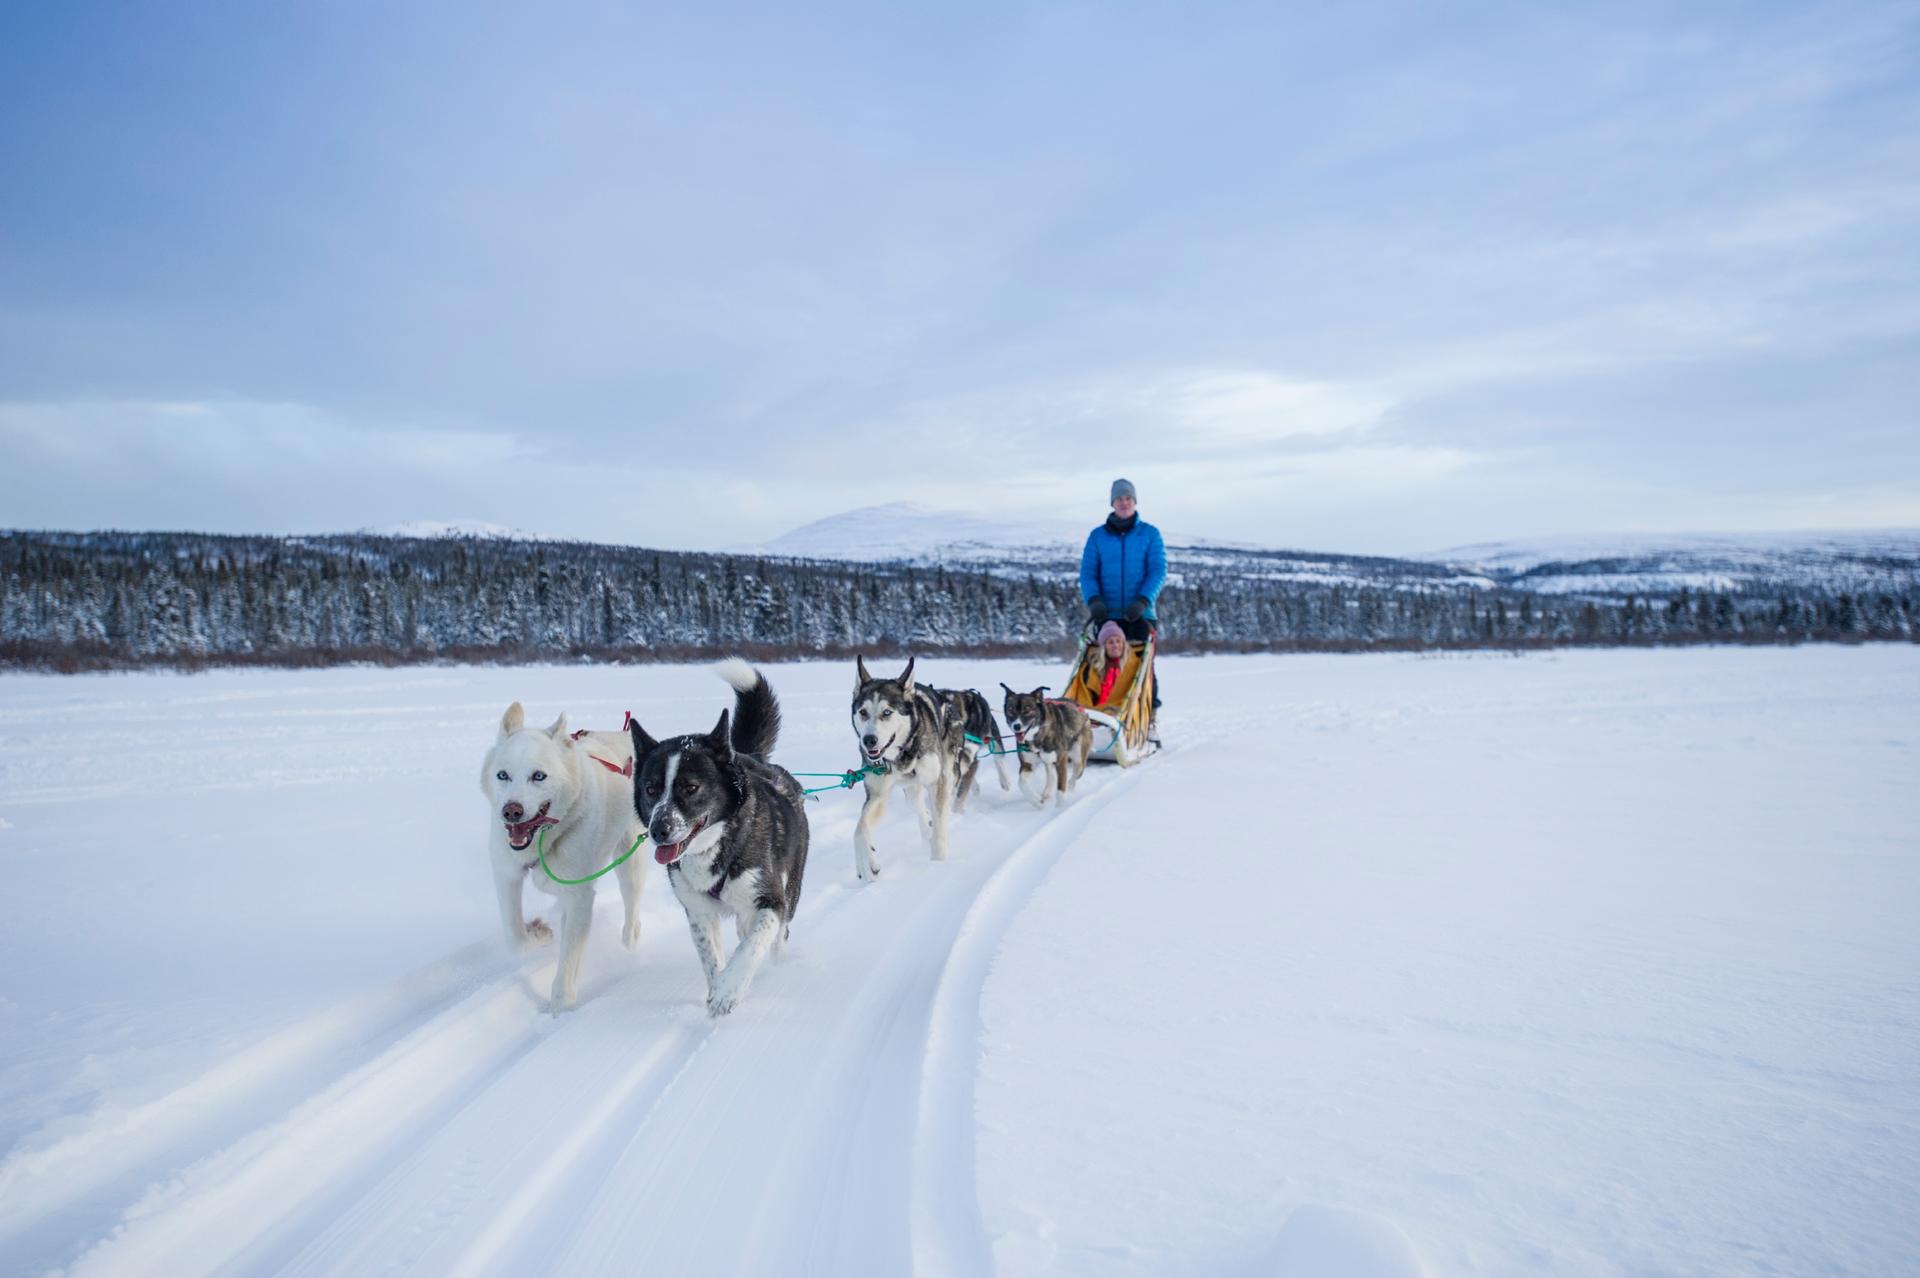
{"x":626,"y":771}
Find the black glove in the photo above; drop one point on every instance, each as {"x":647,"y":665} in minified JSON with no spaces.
{"x":1096,"y":612}
{"x":1137,"y":609}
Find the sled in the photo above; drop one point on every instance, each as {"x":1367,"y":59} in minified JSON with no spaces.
{"x":1122,"y":733}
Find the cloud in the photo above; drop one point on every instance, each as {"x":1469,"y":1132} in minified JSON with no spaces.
{"x":238,"y":466}
{"x":1384,"y":270}
{"x":1231,"y":410}
{"x":245,"y":467}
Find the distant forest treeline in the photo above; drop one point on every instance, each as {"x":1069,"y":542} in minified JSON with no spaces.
{"x":73,"y":601}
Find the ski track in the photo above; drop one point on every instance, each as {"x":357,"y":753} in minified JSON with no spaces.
{"x":820,"y":1168}
{"x":446,"y":1125}
{"x":948,"y":1235}
{"x":120,"y":1151}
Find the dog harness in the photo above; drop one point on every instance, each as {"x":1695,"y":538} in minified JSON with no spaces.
{"x":913,"y":733}
{"x":608,"y":764}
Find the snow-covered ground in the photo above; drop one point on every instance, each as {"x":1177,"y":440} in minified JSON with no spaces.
{"x":1592,"y":963}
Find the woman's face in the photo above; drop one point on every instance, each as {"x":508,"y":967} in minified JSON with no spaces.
{"x":1116,"y":647}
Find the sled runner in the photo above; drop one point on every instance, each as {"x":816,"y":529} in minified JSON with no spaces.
{"x":1122,"y":728}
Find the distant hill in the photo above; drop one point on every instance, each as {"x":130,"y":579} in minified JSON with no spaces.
{"x":1661,"y":563}
{"x":904,"y":532}
{"x":424,"y":528}
{"x":1606,"y":567}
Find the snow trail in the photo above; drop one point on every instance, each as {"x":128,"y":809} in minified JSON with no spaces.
{"x":949,"y":1236}
{"x":478,"y":1134}
{"x":122,"y":1148}
{"x":1513,"y":960}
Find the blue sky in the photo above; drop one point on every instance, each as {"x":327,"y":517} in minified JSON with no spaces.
{"x":1392,"y":279}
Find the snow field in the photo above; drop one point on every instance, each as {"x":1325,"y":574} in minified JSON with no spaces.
{"x":1597,"y":963}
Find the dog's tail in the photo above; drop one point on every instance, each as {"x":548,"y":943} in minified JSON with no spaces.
{"x":979,"y":712}
{"x":756,"y":714}
{"x":992,"y":732}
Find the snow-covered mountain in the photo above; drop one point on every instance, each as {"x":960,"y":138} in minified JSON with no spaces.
{"x":907,"y":532}
{"x":1620,"y":563}
{"x":426,"y":529}
{"x":1601,"y":565}
{"x":1610,"y":565}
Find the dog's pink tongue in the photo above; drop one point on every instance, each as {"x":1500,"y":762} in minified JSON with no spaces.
{"x":668,"y":853}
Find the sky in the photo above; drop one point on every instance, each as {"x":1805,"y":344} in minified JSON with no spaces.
{"x":1382,"y":280}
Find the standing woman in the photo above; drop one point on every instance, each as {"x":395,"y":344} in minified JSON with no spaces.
{"x":1123,"y":568}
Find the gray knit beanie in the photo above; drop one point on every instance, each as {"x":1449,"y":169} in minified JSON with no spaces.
{"x":1122,"y":488}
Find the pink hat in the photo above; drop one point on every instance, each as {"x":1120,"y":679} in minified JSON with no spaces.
{"x":1111,"y":628}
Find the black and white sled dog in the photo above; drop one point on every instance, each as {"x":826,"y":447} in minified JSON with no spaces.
{"x":730,"y":827}
{"x":1055,"y":739}
{"x":980,"y":737}
{"x":921,"y":740}
{"x":574,"y":787}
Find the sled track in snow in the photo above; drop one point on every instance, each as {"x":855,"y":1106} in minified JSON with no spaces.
{"x":846,"y":1184}
{"x":447,"y":1126}
{"x":117,"y":1153}
{"x":948,"y":1236}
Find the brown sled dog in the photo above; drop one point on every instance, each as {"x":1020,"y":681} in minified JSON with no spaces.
{"x":1055,"y":738}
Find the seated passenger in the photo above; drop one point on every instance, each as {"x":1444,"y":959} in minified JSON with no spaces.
{"x":1113,"y":667}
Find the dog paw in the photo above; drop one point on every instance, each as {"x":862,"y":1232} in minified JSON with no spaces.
{"x":631,"y":936}
{"x":720,"y":1004}
{"x":558,"y":1004}
{"x":538,"y":933}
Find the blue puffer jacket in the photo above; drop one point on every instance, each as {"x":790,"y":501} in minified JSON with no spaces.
{"x":1120,"y":567}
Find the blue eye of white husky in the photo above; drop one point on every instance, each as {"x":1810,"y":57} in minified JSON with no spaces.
{"x":886,"y":714}
{"x":501,"y":775}
{"x":538,"y":777}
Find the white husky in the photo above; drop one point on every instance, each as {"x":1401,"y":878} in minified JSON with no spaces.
{"x":578,"y":789}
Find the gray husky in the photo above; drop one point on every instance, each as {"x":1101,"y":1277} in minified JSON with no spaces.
{"x":921,"y":742}
{"x":1057,"y":734}
{"x":731,"y":829}
{"x":982,"y":738}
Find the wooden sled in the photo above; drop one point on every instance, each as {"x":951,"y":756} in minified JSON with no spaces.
{"x":1122,"y":730}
